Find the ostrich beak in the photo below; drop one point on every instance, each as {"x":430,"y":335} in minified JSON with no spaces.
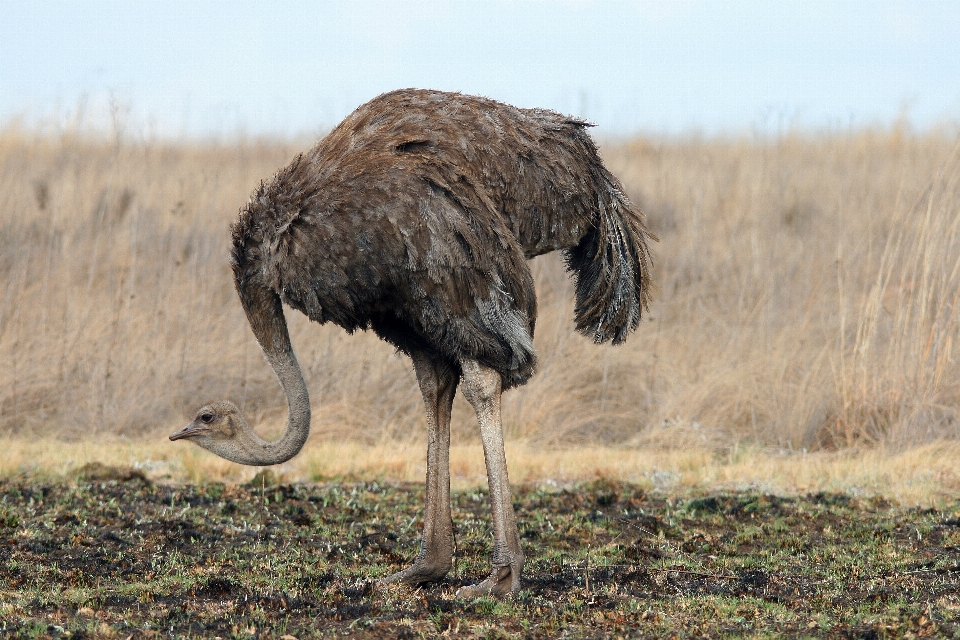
{"x":192,"y":429}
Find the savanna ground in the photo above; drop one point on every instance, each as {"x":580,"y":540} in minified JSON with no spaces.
{"x":114,"y":555}
{"x":773,"y":452}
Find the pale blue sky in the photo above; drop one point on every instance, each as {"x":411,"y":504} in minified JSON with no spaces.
{"x":291,"y":68}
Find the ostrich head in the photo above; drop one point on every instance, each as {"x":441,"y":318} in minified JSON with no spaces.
{"x":217,"y":427}
{"x":220,"y":428}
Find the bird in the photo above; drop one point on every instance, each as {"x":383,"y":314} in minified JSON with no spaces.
{"x":414,"y":218}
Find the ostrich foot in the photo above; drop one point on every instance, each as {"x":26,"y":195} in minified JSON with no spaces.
{"x":501,"y":581}
{"x":422,"y":570}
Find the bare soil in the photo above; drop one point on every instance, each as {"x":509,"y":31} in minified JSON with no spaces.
{"x":112,"y":554}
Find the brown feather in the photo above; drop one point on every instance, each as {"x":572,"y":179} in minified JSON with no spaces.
{"x":415,"y":217}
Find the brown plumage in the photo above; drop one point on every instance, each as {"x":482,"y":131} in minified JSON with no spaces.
{"x":415,"y":218}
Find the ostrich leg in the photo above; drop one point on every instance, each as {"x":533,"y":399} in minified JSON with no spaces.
{"x":438,"y":383}
{"x":481,"y":388}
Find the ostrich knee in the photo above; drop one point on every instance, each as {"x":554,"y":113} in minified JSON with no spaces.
{"x":481,"y":387}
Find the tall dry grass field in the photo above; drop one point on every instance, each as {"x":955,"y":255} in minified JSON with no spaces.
{"x":808,"y":298}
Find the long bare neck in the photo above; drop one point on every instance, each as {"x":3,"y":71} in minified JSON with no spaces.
{"x":265,"y":314}
{"x":249,"y":448}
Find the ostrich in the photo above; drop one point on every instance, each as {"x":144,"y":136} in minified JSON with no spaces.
{"x":414,"y":218}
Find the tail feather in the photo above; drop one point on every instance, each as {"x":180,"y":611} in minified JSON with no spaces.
{"x":611,"y":265}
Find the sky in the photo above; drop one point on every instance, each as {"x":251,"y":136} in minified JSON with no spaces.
{"x":292,"y":68}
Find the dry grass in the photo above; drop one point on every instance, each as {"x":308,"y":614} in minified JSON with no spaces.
{"x":928,"y":475}
{"x":808,"y":300}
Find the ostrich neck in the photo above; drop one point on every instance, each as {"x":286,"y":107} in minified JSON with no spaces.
{"x":254,"y":450}
{"x":265,"y":314}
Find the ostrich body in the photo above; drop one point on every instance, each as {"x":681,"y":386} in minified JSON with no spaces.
{"x":414,"y":218}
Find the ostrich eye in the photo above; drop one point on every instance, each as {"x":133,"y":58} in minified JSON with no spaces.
{"x":206,"y":418}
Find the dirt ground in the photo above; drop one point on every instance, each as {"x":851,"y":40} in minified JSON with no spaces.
{"x":109,"y":553}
